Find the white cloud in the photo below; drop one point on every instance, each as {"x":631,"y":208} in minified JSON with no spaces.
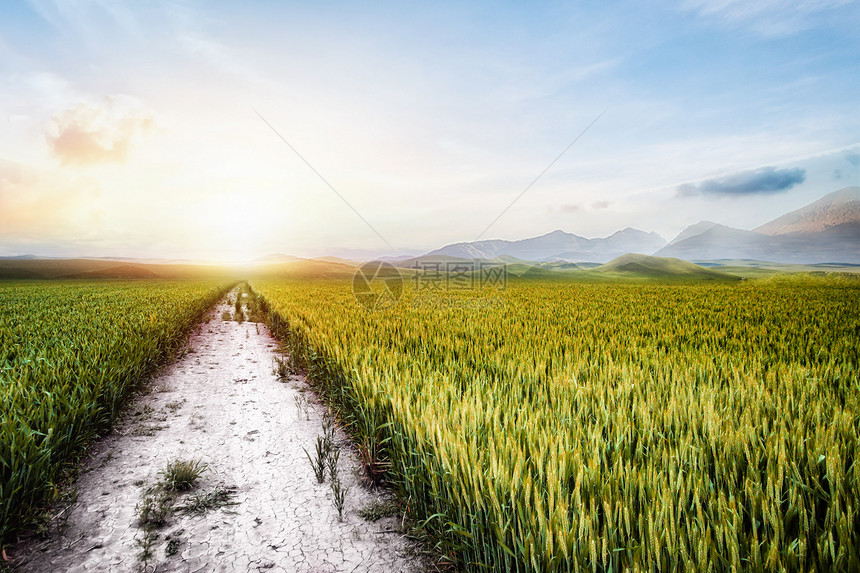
{"x":98,"y":133}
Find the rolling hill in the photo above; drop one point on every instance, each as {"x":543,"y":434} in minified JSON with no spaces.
{"x":43,"y":268}
{"x":303,"y":268}
{"x":644,"y":266}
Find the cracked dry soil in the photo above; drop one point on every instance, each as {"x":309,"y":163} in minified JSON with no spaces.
{"x":223,"y":404}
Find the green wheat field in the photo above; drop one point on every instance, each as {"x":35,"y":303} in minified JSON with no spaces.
{"x":548,"y":426}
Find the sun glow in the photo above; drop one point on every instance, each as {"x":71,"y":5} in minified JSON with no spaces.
{"x":237,"y":228}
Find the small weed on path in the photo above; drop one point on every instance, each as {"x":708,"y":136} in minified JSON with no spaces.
{"x":157,"y":503}
{"x":174,"y":542}
{"x":204,"y":501}
{"x":337,"y":490}
{"x":326,"y":458}
{"x":283,"y":368}
{"x":145,"y":543}
{"x":154,"y":508}
{"x":339,"y":496}
{"x":238,"y":313}
{"x":318,"y":463}
{"x":378,"y":510}
{"x":331,"y":461}
{"x":174,"y":406}
{"x":302,"y":406}
{"x":181,"y":475}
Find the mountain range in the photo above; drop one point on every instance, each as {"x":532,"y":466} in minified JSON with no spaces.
{"x":827,"y":230}
{"x":558,"y":246}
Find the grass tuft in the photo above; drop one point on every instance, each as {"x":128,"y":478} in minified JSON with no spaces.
{"x":182,"y":475}
{"x":378,"y":510}
{"x":318,"y":462}
{"x":205,"y":501}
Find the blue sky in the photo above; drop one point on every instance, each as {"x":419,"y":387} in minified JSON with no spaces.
{"x":131,"y":128}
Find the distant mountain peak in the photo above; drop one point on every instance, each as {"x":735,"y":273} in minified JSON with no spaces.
{"x":838,"y":208}
{"x":825,"y":231}
{"x":633,"y":232}
{"x":693,"y":230}
{"x":844,"y":195}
